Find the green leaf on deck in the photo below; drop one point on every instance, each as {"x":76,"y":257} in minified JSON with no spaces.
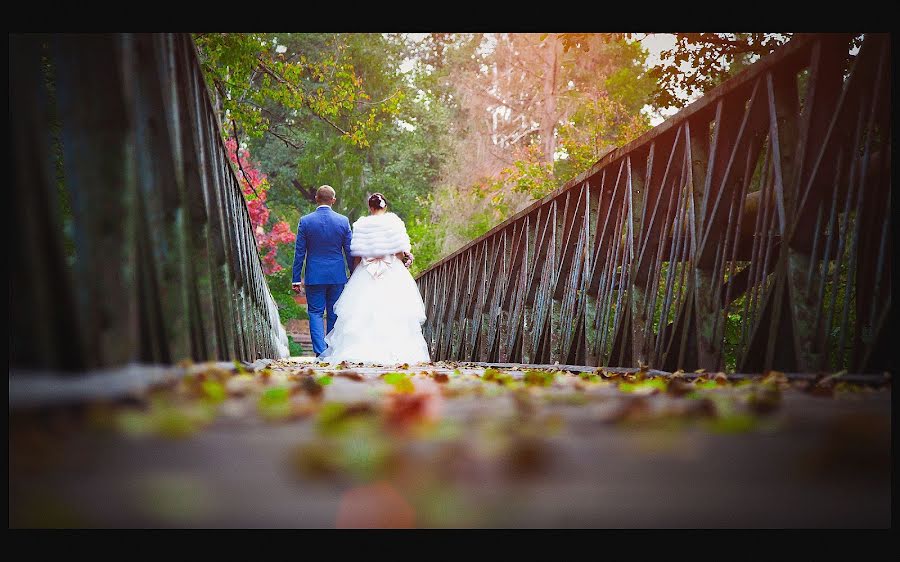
{"x":400,"y":382}
{"x":335,"y":418}
{"x":214,"y":391}
{"x":176,"y":423}
{"x":535,"y":377}
{"x":648,"y":386}
{"x":274,"y":404}
{"x":705,"y":383}
{"x":493,"y":375}
{"x":324,"y":380}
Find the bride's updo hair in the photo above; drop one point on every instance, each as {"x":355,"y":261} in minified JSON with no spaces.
{"x":377,"y":201}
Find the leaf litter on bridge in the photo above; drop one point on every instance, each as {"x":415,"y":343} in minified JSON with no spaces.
{"x":422,"y":437}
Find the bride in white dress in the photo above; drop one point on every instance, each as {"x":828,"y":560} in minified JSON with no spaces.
{"x":380,"y":312}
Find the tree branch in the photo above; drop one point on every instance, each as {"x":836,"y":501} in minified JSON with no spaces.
{"x":305,"y":98}
{"x":271,"y":131}
{"x":733,"y":45}
{"x":237,"y":154}
{"x":379,"y":102}
{"x":307,"y":192}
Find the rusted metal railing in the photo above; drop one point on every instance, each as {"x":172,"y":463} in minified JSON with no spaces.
{"x":750,"y":231}
{"x":132,"y":240}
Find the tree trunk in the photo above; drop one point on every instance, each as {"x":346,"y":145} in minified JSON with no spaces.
{"x":548,"y":115}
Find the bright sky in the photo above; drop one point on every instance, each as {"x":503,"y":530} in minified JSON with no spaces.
{"x":655,"y":43}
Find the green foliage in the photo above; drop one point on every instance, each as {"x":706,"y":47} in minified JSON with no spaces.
{"x":260,"y":89}
{"x":426,"y":243}
{"x":296,"y":350}
{"x":404,"y":149}
{"x":280,"y":287}
{"x":701,"y":61}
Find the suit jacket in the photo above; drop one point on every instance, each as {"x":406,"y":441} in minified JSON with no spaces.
{"x":323,"y":241}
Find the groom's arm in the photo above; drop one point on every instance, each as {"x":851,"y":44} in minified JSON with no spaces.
{"x":299,"y":253}
{"x":348,"y":235}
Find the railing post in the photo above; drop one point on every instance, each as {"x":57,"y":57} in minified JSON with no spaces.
{"x":739,"y":214}
{"x":98,"y":144}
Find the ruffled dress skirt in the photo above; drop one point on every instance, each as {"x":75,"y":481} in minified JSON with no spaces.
{"x":379,"y":319}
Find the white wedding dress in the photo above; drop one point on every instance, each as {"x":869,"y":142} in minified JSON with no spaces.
{"x":380,"y":312}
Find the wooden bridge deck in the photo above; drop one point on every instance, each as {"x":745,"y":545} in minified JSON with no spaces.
{"x":453,"y":445}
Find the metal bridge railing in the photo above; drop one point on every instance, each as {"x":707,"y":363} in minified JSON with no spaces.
{"x":750,"y":231}
{"x":132,"y":242}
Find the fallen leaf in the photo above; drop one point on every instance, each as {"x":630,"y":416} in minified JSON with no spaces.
{"x":539,"y":378}
{"x":333,"y":416}
{"x":312,"y":387}
{"x":649,"y":386}
{"x":677,"y":387}
{"x":274,"y":403}
{"x":352,"y":375}
{"x":405,"y":410}
{"x":400,"y":382}
{"x":214,"y":391}
{"x":239,"y":385}
{"x":493,"y":375}
{"x":376,"y":505}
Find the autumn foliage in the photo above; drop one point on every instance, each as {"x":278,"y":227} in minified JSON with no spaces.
{"x":255,"y":186}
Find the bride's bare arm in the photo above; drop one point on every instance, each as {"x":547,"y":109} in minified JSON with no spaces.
{"x":356,"y":260}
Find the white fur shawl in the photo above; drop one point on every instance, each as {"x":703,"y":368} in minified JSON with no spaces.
{"x":379,"y":235}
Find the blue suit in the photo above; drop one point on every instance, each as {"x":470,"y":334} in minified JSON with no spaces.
{"x":323,"y":242}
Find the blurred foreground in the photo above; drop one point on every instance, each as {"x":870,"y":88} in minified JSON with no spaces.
{"x":300,"y":444}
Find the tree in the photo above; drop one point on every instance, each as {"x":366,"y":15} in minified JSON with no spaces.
{"x":402,"y":158}
{"x":255,"y":186}
{"x":701,"y":61}
{"x":600,"y":117}
{"x":320,"y":109}
{"x":263,"y":86}
{"x":697,"y":63}
{"x":536,"y":112}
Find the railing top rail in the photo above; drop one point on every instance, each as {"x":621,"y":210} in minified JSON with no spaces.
{"x":790,"y":52}
{"x":218,"y":127}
